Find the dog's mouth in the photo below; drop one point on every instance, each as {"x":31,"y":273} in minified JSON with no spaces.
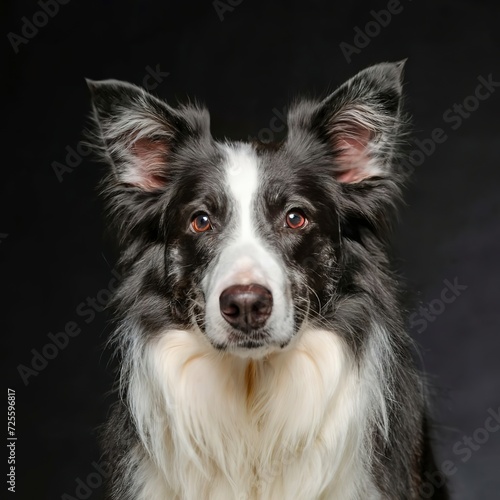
{"x":256,"y":343}
{"x":244,"y":341}
{"x":250,"y":340}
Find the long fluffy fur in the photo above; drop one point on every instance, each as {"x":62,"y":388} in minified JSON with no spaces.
{"x":336,"y":408}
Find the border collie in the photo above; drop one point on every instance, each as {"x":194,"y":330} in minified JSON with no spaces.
{"x":262,"y":343}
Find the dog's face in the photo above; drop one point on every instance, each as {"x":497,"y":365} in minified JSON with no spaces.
{"x":246,"y":242}
{"x":251,"y":241}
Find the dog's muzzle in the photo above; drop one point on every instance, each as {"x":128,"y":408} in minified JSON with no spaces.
{"x":246,"y":307}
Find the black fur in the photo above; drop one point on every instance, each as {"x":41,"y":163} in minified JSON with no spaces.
{"x":337,"y":265}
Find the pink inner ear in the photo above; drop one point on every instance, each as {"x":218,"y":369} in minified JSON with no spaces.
{"x":149,"y":164}
{"x":352,"y":159}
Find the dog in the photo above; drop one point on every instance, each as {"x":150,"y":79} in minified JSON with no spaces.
{"x":259,"y":326}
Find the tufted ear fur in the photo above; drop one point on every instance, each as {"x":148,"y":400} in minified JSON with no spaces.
{"x":141,"y":139}
{"x":137,"y":133}
{"x":360,"y":123}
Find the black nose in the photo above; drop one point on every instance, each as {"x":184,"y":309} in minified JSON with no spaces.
{"x":246,"y":307}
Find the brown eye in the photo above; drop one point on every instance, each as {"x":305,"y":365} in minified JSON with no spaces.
{"x":295,"y":219}
{"x":201,"y":223}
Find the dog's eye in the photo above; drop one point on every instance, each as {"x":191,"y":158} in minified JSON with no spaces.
{"x":201,"y":223}
{"x":295,"y":219}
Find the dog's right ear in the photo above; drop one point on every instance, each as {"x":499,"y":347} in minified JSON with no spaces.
{"x":137,"y":133}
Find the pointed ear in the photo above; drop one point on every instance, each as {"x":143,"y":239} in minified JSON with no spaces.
{"x":138,"y":134}
{"x":360,"y":123}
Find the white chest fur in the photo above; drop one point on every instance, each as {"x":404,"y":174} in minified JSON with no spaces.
{"x":290,"y":426}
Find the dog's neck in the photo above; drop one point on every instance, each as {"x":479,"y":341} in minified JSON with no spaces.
{"x":276,"y":427}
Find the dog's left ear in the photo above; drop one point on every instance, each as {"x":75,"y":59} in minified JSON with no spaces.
{"x":360,"y":123}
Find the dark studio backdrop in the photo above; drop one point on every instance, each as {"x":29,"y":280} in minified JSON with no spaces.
{"x":245,"y":60}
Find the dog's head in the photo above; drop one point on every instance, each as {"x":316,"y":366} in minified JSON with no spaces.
{"x":246,"y":242}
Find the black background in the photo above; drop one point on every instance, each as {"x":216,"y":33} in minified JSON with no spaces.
{"x":262,"y":54}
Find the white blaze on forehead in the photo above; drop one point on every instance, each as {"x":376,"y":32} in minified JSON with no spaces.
{"x":245,"y":257}
{"x":243,"y":181}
